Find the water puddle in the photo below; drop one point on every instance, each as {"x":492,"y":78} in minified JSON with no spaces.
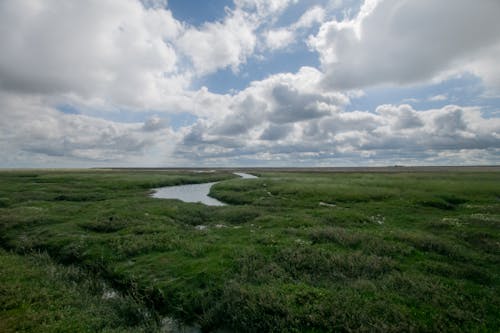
{"x":193,"y":192}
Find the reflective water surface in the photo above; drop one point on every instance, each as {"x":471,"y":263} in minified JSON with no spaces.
{"x":193,"y":192}
{"x":245,"y":175}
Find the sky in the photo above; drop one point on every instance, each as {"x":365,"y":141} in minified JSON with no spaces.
{"x":188,"y":83}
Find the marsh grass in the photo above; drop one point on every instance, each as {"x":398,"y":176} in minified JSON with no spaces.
{"x":389,"y":253}
{"x":106,"y":224}
{"x":40,"y":295}
{"x":342,"y":236}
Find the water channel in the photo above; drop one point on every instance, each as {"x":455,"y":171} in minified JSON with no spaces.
{"x":193,"y":192}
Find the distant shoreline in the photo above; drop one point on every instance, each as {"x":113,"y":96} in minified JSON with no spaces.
{"x":477,"y":168}
{"x":377,"y":169}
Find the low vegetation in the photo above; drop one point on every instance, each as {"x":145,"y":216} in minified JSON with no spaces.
{"x":89,"y":251}
{"x":39,"y":295}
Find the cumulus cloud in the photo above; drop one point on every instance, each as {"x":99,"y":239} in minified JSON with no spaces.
{"x":154,"y":123}
{"x":276,"y":132}
{"x":264,"y":7}
{"x":279,"y":99}
{"x":155,"y":3}
{"x":229,"y":43}
{"x":279,"y":38}
{"x":220,"y":44}
{"x":118,"y":52}
{"x":282,"y":37}
{"x":408,"y":41}
{"x":438,"y":98}
{"x":265,"y":109}
{"x":30,"y":130}
{"x":391,"y":133}
{"x":311,"y":16}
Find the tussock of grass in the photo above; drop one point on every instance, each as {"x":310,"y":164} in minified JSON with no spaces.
{"x":315,"y":264}
{"x":40,"y":296}
{"x":110,"y":224}
{"x":341,"y":236}
{"x":237,"y":215}
{"x":4,"y":202}
{"x":485,"y":241}
{"x":429,"y":243}
{"x":387,"y":247}
{"x":197,"y":215}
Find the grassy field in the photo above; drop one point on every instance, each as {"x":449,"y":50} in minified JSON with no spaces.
{"x":87,"y":251}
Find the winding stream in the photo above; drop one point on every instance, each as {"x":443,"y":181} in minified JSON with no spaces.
{"x":193,"y":192}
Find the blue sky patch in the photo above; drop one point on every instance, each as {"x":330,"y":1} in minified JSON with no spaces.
{"x":199,"y":13}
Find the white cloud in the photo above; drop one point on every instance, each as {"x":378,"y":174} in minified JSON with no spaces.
{"x":155,"y":3}
{"x":279,"y":38}
{"x":229,"y":43}
{"x":487,"y":67}
{"x":282,"y":37}
{"x":280,"y":99}
{"x":265,"y":109}
{"x":403,"y":42}
{"x":311,"y":16}
{"x":218,"y":45}
{"x":270,"y":127}
{"x":264,"y":7}
{"x":438,"y":98}
{"x":30,"y":131}
{"x":114,"y":51}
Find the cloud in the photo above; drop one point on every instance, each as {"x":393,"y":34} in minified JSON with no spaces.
{"x":390,"y":134}
{"x":30,"y":130}
{"x":276,"y":132}
{"x":218,"y":45}
{"x":410,"y":41}
{"x":154,"y":123}
{"x":264,"y":7}
{"x":401,"y":117}
{"x":101,"y":56}
{"x":438,"y":98}
{"x":116,"y":52}
{"x":310,"y":17}
{"x":279,"y":38}
{"x":282,"y":37}
{"x":266,"y":109}
{"x":156,"y":4}
{"x":279,"y":99}
{"x":229,"y":43}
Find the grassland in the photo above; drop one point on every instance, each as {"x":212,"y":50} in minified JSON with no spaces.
{"x":296,"y":251}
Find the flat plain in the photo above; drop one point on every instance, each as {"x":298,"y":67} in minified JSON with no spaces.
{"x":389,"y":250}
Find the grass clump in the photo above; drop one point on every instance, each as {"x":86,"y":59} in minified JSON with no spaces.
{"x":433,"y":244}
{"x":315,"y":264}
{"x":337,"y":235}
{"x":38,"y":295}
{"x":110,"y":224}
{"x":4,"y":202}
{"x":238,"y":215}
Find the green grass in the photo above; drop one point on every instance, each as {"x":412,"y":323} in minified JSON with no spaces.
{"x":39,"y":295}
{"x":296,"y":252}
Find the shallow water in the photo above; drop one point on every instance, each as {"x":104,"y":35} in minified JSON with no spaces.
{"x":245,"y":175}
{"x":193,"y":192}
{"x":188,"y":193}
